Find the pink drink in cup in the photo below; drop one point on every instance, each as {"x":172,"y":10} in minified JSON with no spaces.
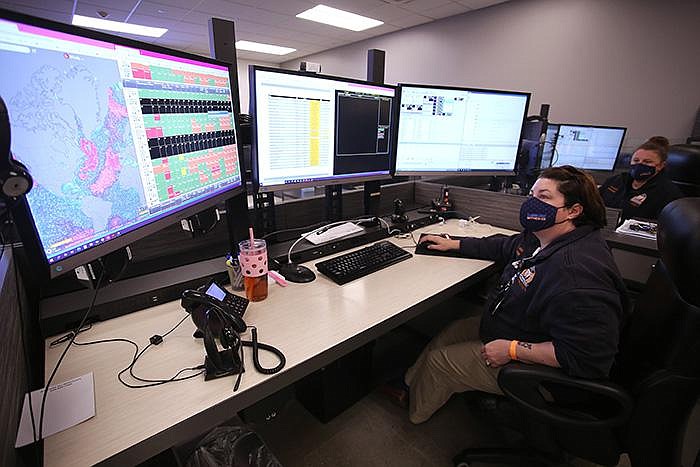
{"x":253,"y":259}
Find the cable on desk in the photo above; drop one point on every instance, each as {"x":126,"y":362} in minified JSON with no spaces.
{"x":138,"y":353}
{"x":66,"y":337}
{"x":65,"y":351}
{"x":310,"y":226}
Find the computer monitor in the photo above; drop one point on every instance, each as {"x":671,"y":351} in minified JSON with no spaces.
{"x":548,"y":146}
{"x":463,"y":131}
{"x":122,"y":138}
{"x":311,"y":129}
{"x":588,"y":147}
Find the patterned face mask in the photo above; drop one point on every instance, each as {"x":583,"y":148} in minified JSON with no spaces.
{"x":537,"y":215}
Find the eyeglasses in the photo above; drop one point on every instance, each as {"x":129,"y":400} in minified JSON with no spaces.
{"x":650,"y":228}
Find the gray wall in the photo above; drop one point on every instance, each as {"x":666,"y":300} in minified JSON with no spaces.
{"x":634,"y":63}
{"x":243,"y":81}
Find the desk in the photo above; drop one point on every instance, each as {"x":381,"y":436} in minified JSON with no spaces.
{"x":313,"y":324}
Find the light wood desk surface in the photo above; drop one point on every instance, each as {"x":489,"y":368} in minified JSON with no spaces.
{"x":312,"y":324}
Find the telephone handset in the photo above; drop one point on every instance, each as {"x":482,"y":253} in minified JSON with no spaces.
{"x":219,"y":314}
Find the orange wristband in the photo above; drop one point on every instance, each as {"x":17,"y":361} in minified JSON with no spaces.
{"x":512,"y":351}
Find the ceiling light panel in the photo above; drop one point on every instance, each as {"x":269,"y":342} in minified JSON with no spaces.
{"x":339,"y":18}
{"x":263,"y":48}
{"x":117,"y":26}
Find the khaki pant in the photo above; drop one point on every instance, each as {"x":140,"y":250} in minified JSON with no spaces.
{"x":450,"y":363}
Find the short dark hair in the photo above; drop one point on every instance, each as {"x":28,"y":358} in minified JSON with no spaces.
{"x":658,"y":144}
{"x":579,"y":187}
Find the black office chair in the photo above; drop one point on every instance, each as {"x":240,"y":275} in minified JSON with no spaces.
{"x":683,"y":168}
{"x":695,"y":135}
{"x":643,"y":410}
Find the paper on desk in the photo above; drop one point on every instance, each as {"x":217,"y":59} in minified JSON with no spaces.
{"x":67,"y":404}
{"x":627,"y":229}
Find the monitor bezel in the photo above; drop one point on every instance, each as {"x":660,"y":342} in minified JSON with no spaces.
{"x":20,"y":210}
{"x":334,"y":180}
{"x":473,"y":173}
{"x":587,"y":125}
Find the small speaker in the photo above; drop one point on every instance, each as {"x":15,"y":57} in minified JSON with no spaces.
{"x":544,"y":111}
{"x":375,"y":65}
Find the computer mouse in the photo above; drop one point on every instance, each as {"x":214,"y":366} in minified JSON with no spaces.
{"x":297,"y":273}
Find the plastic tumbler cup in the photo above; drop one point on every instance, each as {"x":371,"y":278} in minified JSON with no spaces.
{"x":253,"y":259}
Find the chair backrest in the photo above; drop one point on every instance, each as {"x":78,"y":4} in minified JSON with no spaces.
{"x":694,"y":138}
{"x":659,"y":349}
{"x":683,"y":168}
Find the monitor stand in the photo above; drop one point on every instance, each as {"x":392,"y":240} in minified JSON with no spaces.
{"x":264,"y":212}
{"x":372,"y":197}
{"x":334,"y":203}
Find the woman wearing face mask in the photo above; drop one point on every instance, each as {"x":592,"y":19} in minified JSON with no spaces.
{"x":644,"y":190}
{"x":559,"y":301}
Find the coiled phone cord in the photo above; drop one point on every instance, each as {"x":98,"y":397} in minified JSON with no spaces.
{"x":259,"y":345}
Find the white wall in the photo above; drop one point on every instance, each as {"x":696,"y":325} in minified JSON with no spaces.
{"x":633,"y":63}
{"x":243,"y":84}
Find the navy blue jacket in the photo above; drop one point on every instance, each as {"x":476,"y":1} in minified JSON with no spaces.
{"x":646,"y":202}
{"x":570,"y":293}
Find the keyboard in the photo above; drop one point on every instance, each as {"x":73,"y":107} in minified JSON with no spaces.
{"x":350,"y":266}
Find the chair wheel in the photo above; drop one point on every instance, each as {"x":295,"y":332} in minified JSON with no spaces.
{"x":463,"y":464}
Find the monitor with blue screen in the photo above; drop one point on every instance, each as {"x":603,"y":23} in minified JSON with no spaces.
{"x":587,"y":147}
{"x":121,"y":137}
{"x":464,"y":131}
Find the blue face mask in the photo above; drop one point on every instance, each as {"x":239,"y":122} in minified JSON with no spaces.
{"x":641,"y":172}
{"x":536,"y":215}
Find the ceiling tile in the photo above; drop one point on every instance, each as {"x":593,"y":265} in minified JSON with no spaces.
{"x":410,"y":20}
{"x":90,"y":9}
{"x":476,"y":4}
{"x":418,"y":6}
{"x":286,"y":7}
{"x":42,"y":13}
{"x":159,"y":10}
{"x":59,"y":6}
{"x":444,"y":11}
{"x":387,"y":13}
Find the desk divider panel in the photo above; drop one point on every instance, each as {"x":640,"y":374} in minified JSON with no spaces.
{"x":495,"y":208}
{"x":498,"y":209}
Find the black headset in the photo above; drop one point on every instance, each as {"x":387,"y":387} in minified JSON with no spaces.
{"x":15,"y":180}
{"x":212,"y":321}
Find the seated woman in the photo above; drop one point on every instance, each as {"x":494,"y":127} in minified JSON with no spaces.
{"x":645,"y":189}
{"x":559,"y":303}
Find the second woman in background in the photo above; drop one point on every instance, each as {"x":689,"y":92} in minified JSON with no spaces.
{"x":645,"y":189}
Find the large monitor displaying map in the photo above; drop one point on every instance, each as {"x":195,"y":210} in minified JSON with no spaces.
{"x":120,"y":137}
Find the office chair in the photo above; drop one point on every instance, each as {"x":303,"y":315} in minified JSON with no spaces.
{"x":644,"y":408}
{"x":695,"y":135}
{"x":683,"y":168}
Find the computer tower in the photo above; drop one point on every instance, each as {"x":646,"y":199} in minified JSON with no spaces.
{"x":337,"y":386}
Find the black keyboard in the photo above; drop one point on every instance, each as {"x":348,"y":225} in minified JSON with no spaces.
{"x":350,"y":266}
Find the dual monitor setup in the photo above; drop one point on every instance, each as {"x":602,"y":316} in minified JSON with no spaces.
{"x":123,"y":138}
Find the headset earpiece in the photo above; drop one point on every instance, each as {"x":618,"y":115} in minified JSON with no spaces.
{"x":15,"y":180}
{"x":212,"y":350}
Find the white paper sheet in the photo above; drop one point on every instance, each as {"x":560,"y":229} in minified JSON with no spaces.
{"x":67,"y":404}
{"x":643,"y":229}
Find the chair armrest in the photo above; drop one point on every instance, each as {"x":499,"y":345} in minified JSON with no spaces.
{"x":522,"y":384}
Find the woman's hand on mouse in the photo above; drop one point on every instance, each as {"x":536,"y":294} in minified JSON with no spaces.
{"x":436,"y":242}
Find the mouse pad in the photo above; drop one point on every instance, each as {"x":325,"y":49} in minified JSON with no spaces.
{"x":423,"y":249}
